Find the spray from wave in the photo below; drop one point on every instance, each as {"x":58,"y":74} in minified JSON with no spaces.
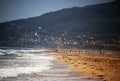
{"x":14,"y":62}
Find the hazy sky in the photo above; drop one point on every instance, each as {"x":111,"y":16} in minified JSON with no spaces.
{"x":17,"y":9}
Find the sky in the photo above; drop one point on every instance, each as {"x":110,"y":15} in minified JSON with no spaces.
{"x":19,"y":9}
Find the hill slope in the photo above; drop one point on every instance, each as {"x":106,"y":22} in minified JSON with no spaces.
{"x":101,"y":21}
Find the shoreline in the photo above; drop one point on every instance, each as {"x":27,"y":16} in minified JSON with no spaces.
{"x":58,"y":72}
{"x":103,"y":66}
{"x":74,"y":65}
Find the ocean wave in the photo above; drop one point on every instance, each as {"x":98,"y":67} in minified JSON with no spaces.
{"x":15,"y":71}
{"x":25,"y":62}
{"x":17,"y":52}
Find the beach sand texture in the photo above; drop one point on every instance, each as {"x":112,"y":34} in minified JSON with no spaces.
{"x":102,"y":67}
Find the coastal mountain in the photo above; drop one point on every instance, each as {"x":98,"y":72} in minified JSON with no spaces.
{"x":100,"y":22}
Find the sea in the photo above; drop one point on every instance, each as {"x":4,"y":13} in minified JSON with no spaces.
{"x":17,"y":61}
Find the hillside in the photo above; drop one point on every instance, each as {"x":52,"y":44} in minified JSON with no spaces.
{"x":77,"y":25}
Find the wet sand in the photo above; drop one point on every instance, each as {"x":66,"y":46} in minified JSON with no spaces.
{"x":104,"y":67}
{"x":58,"y":72}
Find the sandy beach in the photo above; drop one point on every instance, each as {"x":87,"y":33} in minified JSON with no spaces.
{"x":62,"y":65}
{"x":58,"y":72}
{"x":39,"y":65}
{"x":104,"y":67}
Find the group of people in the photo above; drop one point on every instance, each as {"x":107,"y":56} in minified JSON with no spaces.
{"x":82,"y":52}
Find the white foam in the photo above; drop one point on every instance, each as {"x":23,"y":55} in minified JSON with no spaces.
{"x":18,"y":52}
{"x":32,"y":68}
{"x":1,"y":53}
{"x":36,"y":63}
{"x":9,"y":72}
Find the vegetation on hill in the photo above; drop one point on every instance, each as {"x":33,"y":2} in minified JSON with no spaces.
{"x":75,"y":25}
